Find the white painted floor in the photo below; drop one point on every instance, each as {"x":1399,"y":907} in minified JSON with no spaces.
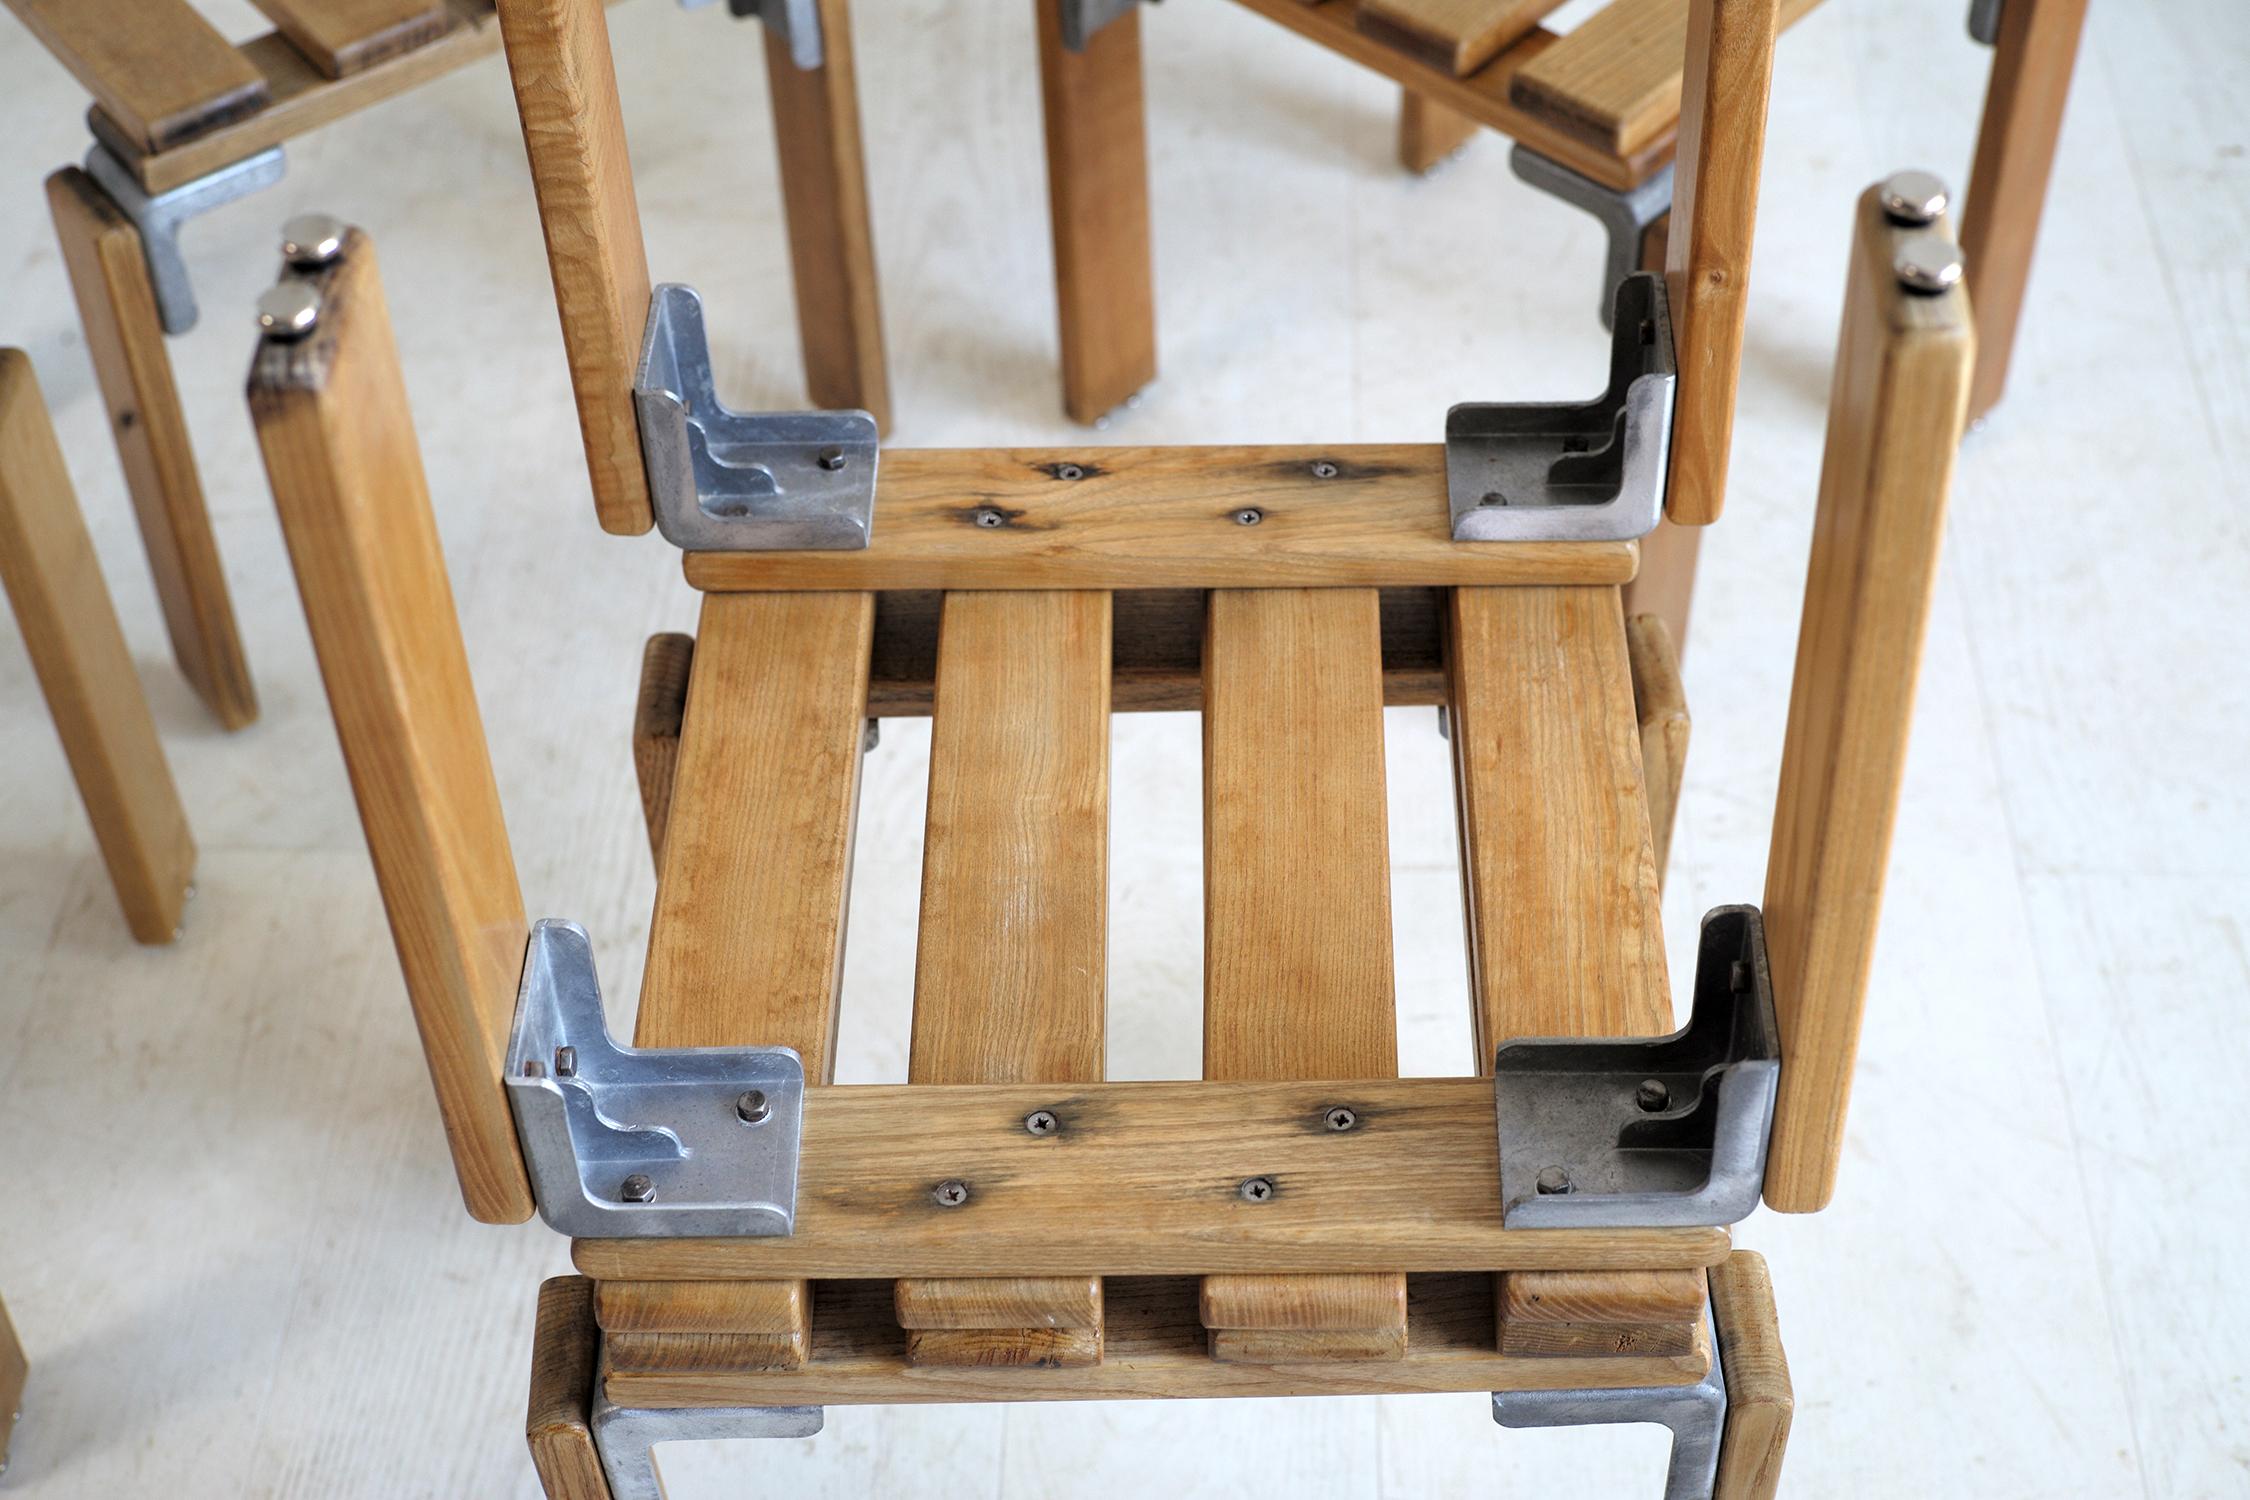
{"x":228,"y":1231}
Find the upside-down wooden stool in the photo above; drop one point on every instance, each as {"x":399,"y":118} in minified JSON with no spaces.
{"x":757,"y":1242}
{"x":184,"y":121}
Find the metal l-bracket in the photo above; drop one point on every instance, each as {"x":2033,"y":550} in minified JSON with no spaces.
{"x":729,"y":481}
{"x":623,"y":1436}
{"x":796,"y":22}
{"x":1643,"y":1131}
{"x":1984,"y":21}
{"x":1696,"y":1414}
{"x":158,"y":217}
{"x":1573,"y":472}
{"x":1082,"y":18}
{"x":1625,"y":216}
{"x":648,"y":1142}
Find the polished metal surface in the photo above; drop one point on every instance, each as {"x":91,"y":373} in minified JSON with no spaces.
{"x":1696,"y":1415}
{"x":1624,"y":216}
{"x":312,"y":240}
{"x":158,"y":217}
{"x":1928,"y":263}
{"x":796,"y":22}
{"x":1984,"y":21}
{"x":1915,"y":197}
{"x":289,"y":309}
{"x":1082,"y":18}
{"x":625,"y":1437}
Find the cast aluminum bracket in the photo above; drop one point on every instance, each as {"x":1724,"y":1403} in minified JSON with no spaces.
{"x":1696,"y":1414}
{"x":1573,"y":472}
{"x":729,"y":481}
{"x":795,"y":22}
{"x":623,"y":1436}
{"x":1082,"y":18}
{"x":1984,"y":21}
{"x":1649,"y":1131}
{"x":658,"y":1143}
{"x":158,"y":217}
{"x":1624,"y":216}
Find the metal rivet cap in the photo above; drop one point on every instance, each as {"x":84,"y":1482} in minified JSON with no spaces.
{"x":1927,"y":263}
{"x":1915,"y":197}
{"x":289,"y":309}
{"x":313,"y":239}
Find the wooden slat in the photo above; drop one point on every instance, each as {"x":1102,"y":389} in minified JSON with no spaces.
{"x":125,"y":338}
{"x":1606,"y":1297}
{"x":999,"y":1302}
{"x":558,"y":1423}
{"x":1145,"y":1185}
{"x":755,"y":1307}
{"x":1038,"y":1348}
{"x":1163,"y":517}
{"x":1595,"y":1340}
{"x":1097,"y":200}
{"x":662,"y":1353}
{"x":658,"y":709}
{"x":1459,"y":36}
{"x":338,"y":441}
{"x":1154,"y":1347}
{"x":1296,"y":870}
{"x":1661,"y":703}
{"x":1285,"y":1346}
{"x":160,"y":70}
{"x":1428,"y":132}
{"x":1726,"y":82}
{"x":343,"y":37}
{"x":62,"y":606}
{"x":1303,"y":1303}
{"x":2032,"y":61}
{"x":1895,"y":416}
{"x":1760,"y":1401}
{"x":574,"y":133}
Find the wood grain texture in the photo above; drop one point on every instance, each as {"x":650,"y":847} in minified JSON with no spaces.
{"x":159,"y":70}
{"x":1154,"y":1347}
{"x":1660,"y":701}
{"x":1595,"y":1340}
{"x":1163,"y":517}
{"x":125,"y":339}
{"x":1007,"y":1302}
{"x":1607,"y":1297}
{"x":1665,"y":584}
{"x":989,"y":1348}
{"x":659,"y":707}
{"x":2032,"y":62}
{"x":1097,"y":203}
{"x":1316,"y":1303}
{"x":574,"y":132}
{"x":1141,"y":1180}
{"x":1459,"y":36}
{"x":768,"y":1307}
{"x":558,"y":1423}
{"x":338,"y":441}
{"x":824,"y":201}
{"x":1760,"y":1401}
{"x":70,"y":631}
{"x":1288,"y":1346}
{"x":1726,"y":83}
{"x":1895,"y":417}
{"x":343,"y":37}
{"x":1297,"y":976}
{"x":666,"y":1353}
{"x":1428,"y":132}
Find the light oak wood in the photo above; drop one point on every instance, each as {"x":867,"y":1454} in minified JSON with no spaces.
{"x":664,"y":1353}
{"x":1163,"y":517}
{"x":999,"y":1302}
{"x":1665,"y":584}
{"x":1895,"y":416}
{"x":658,"y":709}
{"x":1604,"y":1297}
{"x":1289,"y":1346}
{"x":1428,"y":132}
{"x":1660,"y":700}
{"x":1316,"y":1303}
{"x":160,"y":70}
{"x":558,"y":1423}
{"x":831,"y":240}
{"x":125,"y":339}
{"x":332,"y":421}
{"x":988,"y":1348}
{"x":1145,"y":1184}
{"x":342,"y":37}
{"x":1459,"y":36}
{"x":574,"y":132}
{"x":1097,"y":202}
{"x":1727,"y":81}
{"x":1595,"y":1340}
{"x":70,"y":630}
{"x":15,"y":1369}
{"x":1153,"y":1347}
{"x":753,"y":1307}
{"x":2032,"y":62}
{"x":1760,"y":1400}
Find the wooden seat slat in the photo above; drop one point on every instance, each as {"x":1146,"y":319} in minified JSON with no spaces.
{"x":1459,"y":36}
{"x":160,"y":70}
{"x":342,"y":37}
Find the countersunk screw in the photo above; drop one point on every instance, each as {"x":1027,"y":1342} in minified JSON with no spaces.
{"x":288,"y":309}
{"x":310,"y":240}
{"x":951,"y":1193}
{"x":566,"y":1062}
{"x":1069,"y":471}
{"x":1042,"y":1122}
{"x":637,"y":1189}
{"x":1340,"y":1117}
{"x":1323,"y":469}
{"x":1249,"y":515}
{"x":1927,"y":263}
{"x":831,"y":459}
{"x":1255,"y":1189}
{"x":751,"y":1108}
{"x":988,"y":518}
{"x":1915,"y":197}
{"x":1652,"y":1095}
{"x":1553,"y":1180}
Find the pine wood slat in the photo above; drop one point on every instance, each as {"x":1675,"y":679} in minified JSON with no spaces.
{"x":658,"y":710}
{"x":1296,"y":879}
{"x":160,"y":70}
{"x":558,"y":1423}
{"x":338,"y":441}
{"x":1154,"y":1347}
{"x":1316,"y":1303}
{"x":754,"y":1307}
{"x":659,"y":1353}
{"x":1660,"y":700}
{"x":1011,"y":971}
{"x":1895,"y":416}
{"x":1136,"y":518}
{"x":1459,"y":36}
{"x":342,"y":37}
{"x":62,"y":606}
{"x":999,"y":1302}
{"x":1040,"y":1348}
{"x":1760,"y":1401}
{"x":1606,"y":1297}
{"x":1595,"y":1340}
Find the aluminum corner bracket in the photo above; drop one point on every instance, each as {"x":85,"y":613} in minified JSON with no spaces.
{"x":795,"y":22}
{"x":1695,"y":1414}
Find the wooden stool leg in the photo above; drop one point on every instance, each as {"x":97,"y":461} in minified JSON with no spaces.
{"x":1660,"y":702}
{"x":1665,"y":585}
{"x":13,"y":1370}
{"x":831,"y":241}
{"x":1760,"y":1402}
{"x":2031,"y":67}
{"x":55,"y":583}
{"x":1428,"y":132}
{"x":117,"y":308}
{"x":559,"y":1423}
{"x":657,"y":713}
{"x":1097,"y":192}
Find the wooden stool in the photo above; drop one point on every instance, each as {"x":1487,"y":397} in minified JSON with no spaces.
{"x":184,"y":121}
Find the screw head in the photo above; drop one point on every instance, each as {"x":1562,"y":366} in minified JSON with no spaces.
{"x":1069,"y":471}
{"x":288,"y":309}
{"x":310,"y":240}
{"x":1914,"y":197}
{"x":1553,"y":1180}
{"x":988,"y":518}
{"x":831,"y":459}
{"x":1340,"y":1117}
{"x":751,"y":1108}
{"x":1255,"y":1189}
{"x":566,"y":1062}
{"x":1042,"y":1122}
{"x":1652,"y":1095}
{"x":1249,"y":515}
{"x":951,"y":1193}
{"x":1927,"y":263}
{"x":637,"y":1189}
{"x":1324,"y":469}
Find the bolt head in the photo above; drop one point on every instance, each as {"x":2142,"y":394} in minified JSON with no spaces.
{"x":566,"y":1062}
{"x":1553,"y":1180}
{"x":1915,"y":197}
{"x":1255,"y":1189}
{"x":751,"y":1107}
{"x":1340,"y":1117}
{"x":310,"y":240}
{"x":831,"y":459}
{"x":1324,"y":469}
{"x":289,"y":309}
{"x":637,"y":1189}
{"x":951,"y":1193}
{"x":1927,"y":263}
{"x":1042,"y":1122}
{"x":1249,"y":515}
{"x":1653,"y":1095}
